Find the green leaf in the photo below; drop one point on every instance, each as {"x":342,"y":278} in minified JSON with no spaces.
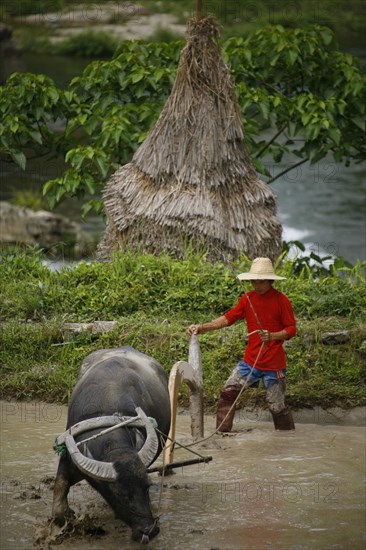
{"x":137,"y":77}
{"x":48,"y":186}
{"x":36,"y":136}
{"x":19,"y":158}
{"x":248,"y":55}
{"x":274,"y":60}
{"x":312,"y":131}
{"x":359,"y":122}
{"x":305,"y":118}
{"x":14,"y":126}
{"x":69,"y":96}
{"x":260,"y":167}
{"x":335,"y":135}
{"x":102,"y":165}
{"x":327,"y":36}
{"x":292,"y":56}
{"x":264,"y":109}
{"x":90,"y":184}
{"x":158,"y":74}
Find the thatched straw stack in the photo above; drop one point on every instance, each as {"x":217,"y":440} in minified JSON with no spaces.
{"x":192,"y":181}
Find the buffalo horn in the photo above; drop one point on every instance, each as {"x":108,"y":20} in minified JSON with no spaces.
{"x":148,"y":452}
{"x":89,"y":466}
{"x":105,"y":470}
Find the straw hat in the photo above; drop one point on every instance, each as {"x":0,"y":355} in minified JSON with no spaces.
{"x":261,"y":269}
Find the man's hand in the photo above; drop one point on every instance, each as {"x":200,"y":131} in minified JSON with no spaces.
{"x":193,"y":330}
{"x":265,"y":336}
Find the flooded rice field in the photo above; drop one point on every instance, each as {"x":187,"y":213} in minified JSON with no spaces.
{"x":263,"y":490}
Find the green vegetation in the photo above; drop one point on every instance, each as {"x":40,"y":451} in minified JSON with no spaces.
{"x":293,"y":85}
{"x":29,"y":199}
{"x":88,"y":44}
{"x":154,"y":299}
{"x":162,"y":34}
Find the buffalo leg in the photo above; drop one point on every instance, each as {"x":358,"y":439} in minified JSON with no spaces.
{"x":64,"y":480}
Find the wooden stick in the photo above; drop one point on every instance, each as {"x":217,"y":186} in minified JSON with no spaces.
{"x":199,"y":9}
{"x":160,"y":469}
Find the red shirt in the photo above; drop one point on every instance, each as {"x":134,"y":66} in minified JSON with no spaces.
{"x":274,"y":311}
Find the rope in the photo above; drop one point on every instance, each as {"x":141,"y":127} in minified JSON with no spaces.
{"x":175,"y":442}
{"x":253,"y":310}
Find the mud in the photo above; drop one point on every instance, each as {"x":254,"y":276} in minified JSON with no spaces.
{"x":263,"y":489}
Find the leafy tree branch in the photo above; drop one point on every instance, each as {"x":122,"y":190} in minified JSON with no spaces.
{"x":292,"y":83}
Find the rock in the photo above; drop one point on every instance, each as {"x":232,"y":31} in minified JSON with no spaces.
{"x":309,"y":339}
{"x":334,"y":338}
{"x":96,"y":328}
{"x":54,"y":233}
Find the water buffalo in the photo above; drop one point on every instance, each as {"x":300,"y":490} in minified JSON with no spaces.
{"x":114,"y":385}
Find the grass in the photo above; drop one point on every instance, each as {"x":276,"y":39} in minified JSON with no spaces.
{"x":154,"y":299}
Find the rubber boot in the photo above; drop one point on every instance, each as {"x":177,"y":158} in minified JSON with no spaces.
{"x":225,"y":416}
{"x":283,"y":421}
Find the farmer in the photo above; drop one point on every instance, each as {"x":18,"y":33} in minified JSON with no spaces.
{"x":270,"y":321}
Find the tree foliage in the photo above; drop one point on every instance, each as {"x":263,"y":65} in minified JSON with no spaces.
{"x":292,"y":84}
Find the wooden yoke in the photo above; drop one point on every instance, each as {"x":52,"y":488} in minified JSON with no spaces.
{"x":191,"y":374}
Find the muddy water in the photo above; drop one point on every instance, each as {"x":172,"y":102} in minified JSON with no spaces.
{"x":262,"y":490}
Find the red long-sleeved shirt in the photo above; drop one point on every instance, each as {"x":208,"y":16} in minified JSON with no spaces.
{"x":274,"y":311}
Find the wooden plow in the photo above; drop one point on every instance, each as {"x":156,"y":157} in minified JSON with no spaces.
{"x":191,"y":374}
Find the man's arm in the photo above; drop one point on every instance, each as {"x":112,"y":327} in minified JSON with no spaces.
{"x":216,"y":324}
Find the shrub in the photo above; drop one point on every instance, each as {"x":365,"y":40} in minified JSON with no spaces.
{"x":162,"y":285}
{"x":88,"y":44}
{"x":29,"y":199}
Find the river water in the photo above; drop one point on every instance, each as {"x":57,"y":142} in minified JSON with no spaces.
{"x":324,"y":206}
{"x":263,"y":490}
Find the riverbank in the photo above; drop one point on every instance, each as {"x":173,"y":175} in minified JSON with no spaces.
{"x":151,"y":301}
